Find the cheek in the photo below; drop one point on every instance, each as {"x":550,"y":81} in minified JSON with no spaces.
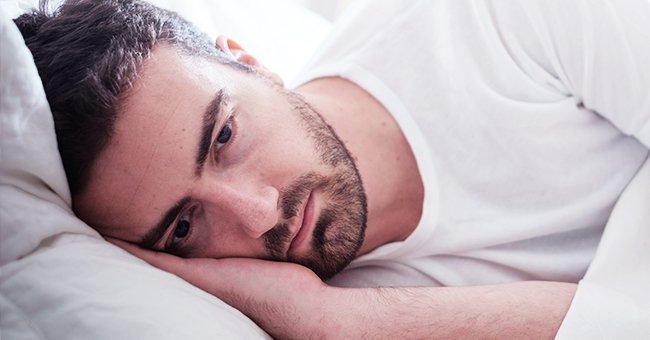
{"x":226,"y":242}
{"x":277,"y":144}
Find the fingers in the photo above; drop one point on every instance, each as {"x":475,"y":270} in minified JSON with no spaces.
{"x":263,"y":290}
{"x":204,"y":273}
{"x":164,"y":261}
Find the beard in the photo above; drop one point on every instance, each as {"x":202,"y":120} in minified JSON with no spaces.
{"x":340,"y":228}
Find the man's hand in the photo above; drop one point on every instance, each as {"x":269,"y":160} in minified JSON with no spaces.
{"x":290,"y":301}
{"x":282,"y":298}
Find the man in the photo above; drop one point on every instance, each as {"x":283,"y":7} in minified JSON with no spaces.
{"x":478,"y":145}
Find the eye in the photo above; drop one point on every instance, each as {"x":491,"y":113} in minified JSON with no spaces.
{"x":181,"y":230}
{"x":224,"y":135}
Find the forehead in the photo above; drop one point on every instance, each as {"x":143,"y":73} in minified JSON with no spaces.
{"x":150,"y":159}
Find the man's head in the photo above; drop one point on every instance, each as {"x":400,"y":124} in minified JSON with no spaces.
{"x":177,"y":145}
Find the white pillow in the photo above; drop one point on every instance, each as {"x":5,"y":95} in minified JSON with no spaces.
{"x":58,"y":277}
{"x":281,"y":34}
{"x":33,"y":187}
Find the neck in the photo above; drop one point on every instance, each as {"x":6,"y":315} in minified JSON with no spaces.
{"x":383,"y":156}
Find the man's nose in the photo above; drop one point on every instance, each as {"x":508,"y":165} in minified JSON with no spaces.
{"x":252,"y":208}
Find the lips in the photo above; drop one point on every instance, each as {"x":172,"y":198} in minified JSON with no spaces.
{"x":305,"y":226}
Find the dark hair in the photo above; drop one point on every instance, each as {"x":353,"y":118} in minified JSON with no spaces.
{"x":88,"y":53}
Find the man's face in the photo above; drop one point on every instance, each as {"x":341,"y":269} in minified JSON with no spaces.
{"x":210,"y":161}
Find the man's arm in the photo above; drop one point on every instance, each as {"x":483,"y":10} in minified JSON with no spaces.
{"x":514,"y":310}
{"x":598,"y":50}
{"x":289,"y":300}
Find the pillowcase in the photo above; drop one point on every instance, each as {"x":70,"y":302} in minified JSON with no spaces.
{"x":279,"y":33}
{"x":33,"y":186}
{"x":58,"y":277}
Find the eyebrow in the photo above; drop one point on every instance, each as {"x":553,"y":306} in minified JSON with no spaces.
{"x":210,"y":117}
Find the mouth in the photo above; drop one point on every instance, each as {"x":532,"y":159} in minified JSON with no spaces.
{"x":305,"y":225}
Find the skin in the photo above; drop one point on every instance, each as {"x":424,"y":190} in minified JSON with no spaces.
{"x":150,"y":164}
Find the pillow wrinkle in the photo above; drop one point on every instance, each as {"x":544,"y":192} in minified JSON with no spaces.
{"x":34,"y":192}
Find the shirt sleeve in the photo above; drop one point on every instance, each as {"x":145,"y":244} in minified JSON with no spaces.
{"x":599,"y":50}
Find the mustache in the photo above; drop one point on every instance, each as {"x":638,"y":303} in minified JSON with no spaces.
{"x":291,"y":199}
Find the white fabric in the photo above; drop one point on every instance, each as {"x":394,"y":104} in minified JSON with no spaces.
{"x":279,"y":33}
{"x":58,"y":278}
{"x":31,"y":173}
{"x":528,"y":119}
{"x":612,"y":300}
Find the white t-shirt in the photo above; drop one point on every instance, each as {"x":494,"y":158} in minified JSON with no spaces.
{"x":527,"y":120}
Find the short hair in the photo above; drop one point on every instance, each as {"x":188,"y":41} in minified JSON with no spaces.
{"x":88,"y":54}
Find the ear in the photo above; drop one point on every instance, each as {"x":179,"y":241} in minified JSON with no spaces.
{"x":236,"y":52}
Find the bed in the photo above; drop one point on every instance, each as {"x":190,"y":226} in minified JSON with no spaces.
{"x":58,"y":278}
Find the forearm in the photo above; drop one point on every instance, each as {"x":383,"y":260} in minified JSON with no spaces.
{"x":290,"y":301}
{"x":517,"y":310}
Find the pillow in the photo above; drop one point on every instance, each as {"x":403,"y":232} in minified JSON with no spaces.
{"x":58,"y":277}
{"x":279,"y":33}
{"x":34,"y":190}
